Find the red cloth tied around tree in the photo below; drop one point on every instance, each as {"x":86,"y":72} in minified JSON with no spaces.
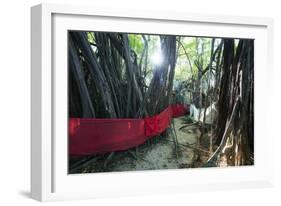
{"x":74,"y":124}
{"x":105,"y":135}
{"x":151,"y":126}
{"x":95,"y":136}
{"x":179,"y":110}
{"x":157,"y":124}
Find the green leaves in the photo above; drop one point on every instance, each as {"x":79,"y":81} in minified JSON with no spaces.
{"x":136,"y":43}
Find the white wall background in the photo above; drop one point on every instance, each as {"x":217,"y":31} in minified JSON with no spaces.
{"x":15,"y":101}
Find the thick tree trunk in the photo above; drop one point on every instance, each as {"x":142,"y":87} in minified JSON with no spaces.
{"x":235,"y":107}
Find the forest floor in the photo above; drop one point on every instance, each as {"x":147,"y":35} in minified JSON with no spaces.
{"x":161,"y":154}
{"x":158,"y":153}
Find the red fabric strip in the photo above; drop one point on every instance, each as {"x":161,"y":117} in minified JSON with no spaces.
{"x":95,"y":136}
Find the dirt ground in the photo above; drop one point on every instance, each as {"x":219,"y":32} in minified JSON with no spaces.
{"x":158,"y":153}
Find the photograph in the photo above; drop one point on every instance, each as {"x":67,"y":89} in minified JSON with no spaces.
{"x":142,"y":102}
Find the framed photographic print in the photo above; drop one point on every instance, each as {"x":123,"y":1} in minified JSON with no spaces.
{"x":138,"y":102}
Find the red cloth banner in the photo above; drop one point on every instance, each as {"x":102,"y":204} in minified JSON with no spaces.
{"x":95,"y":136}
{"x":157,"y":124}
{"x":179,"y":109}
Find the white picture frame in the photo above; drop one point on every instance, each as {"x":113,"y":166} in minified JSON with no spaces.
{"x":49,"y":177}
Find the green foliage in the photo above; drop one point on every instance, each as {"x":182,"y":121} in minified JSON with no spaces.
{"x":91,"y":37}
{"x":198,"y":50}
{"x":136,"y":43}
